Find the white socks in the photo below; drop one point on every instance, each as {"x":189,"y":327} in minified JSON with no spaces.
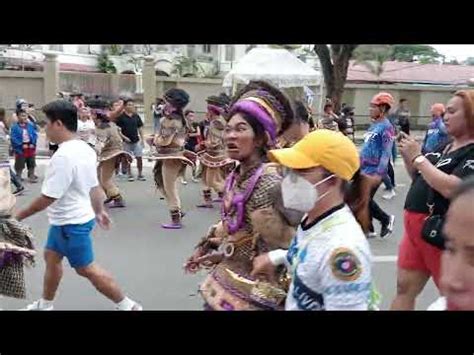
{"x":125,"y":305}
{"x":45,"y":304}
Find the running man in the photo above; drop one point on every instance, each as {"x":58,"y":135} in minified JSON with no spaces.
{"x":74,"y":200}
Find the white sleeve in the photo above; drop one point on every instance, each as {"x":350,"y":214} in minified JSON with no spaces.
{"x":278,"y":257}
{"x":346,"y":279}
{"x":58,"y":177}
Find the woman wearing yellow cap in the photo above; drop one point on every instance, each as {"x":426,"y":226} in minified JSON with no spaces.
{"x":253,"y":221}
{"x":329,"y":257}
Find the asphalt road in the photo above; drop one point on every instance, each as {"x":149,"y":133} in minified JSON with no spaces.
{"x":147,"y":260}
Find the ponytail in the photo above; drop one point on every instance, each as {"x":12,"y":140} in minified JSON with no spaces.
{"x":357,"y":197}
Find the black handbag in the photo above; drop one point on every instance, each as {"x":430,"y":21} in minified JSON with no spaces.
{"x":432,"y":231}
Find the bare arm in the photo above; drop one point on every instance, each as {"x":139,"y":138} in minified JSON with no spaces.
{"x":38,"y":205}
{"x":444,"y":183}
{"x":140,"y":132}
{"x":98,"y":197}
{"x":113,"y":115}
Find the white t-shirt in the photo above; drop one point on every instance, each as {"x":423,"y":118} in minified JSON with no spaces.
{"x":86,"y":131}
{"x":70,"y":176}
{"x":331,"y":265}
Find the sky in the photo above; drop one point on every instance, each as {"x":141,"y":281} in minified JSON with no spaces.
{"x":457,"y":51}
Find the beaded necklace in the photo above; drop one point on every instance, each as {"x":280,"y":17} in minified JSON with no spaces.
{"x":238,"y":200}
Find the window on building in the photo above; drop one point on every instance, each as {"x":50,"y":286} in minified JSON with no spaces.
{"x":229,"y":53}
{"x":56,"y":47}
{"x":206,"y":48}
{"x":83,"y":49}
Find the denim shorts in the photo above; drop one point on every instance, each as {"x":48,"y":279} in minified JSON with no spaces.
{"x":72,"y":241}
{"x":135,"y":149}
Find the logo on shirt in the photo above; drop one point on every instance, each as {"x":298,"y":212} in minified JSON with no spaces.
{"x":469,"y":164}
{"x":345,"y":265}
{"x":370,"y":136}
{"x":443,"y":162}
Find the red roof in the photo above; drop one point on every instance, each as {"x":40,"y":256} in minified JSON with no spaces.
{"x":77,"y":67}
{"x":403,"y":72}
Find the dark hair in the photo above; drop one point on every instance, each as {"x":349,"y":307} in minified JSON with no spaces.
{"x":466,"y":187}
{"x":187,"y":112}
{"x":20,"y":111}
{"x":403,"y":100}
{"x":301,"y":112}
{"x":326,"y":106}
{"x":2,"y":113}
{"x":63,"y":111}
{"x":126,"y":101}
{"x":259,"y":132}
{"x":386,"y":108}
{"x":357,"y":196}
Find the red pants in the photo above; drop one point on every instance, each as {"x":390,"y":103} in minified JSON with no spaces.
{"x":414,"y":252}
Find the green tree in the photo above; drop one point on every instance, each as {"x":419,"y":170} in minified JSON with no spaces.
{"x":105,"y":65}
{"x":469,"y":61}
{"x":334,"y":60}
{"x":373,"y":58}
{"x":422,"y":53}
{"x":186,"y":66}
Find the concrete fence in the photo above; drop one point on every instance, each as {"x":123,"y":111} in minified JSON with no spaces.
{"x":40,"y":87}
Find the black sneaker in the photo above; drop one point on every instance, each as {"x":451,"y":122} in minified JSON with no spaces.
{"x":388,"y":228}
{"x":19,"y":191}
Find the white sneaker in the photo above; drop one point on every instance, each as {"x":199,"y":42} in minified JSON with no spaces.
{"x":184,"y":182}
{"x":37,"y":306}
{"x":391,"y":194}
{"x":135,"y":307}
{"x":371,"y":235}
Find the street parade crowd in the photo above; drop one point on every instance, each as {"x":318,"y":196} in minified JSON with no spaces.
{"x":296,"y":197}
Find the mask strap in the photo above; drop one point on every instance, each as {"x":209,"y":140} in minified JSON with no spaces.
{"x":324,"y":180}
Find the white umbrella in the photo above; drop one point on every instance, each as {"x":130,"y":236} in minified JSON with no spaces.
{"x":278,"y":66}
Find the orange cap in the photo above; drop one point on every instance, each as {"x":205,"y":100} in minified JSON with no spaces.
{"x":383,"y":98}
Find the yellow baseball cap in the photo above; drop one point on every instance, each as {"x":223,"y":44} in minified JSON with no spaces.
{"x":328,"y":149}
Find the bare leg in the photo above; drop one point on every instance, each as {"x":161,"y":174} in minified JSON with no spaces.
{"x":410,"y":283}
{"x":53,"y":274}
{"x":140,"y":166}
{"x":102,"y":281}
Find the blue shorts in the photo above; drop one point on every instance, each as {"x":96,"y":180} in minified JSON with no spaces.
{"x":74,"y":242}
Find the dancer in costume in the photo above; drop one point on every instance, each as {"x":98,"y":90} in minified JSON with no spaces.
{"x":109,"y":149}
{"x":170,"y":155}
{"x":16,"y":239}
{"x":215,"y":162}
{"x":252,"y":219}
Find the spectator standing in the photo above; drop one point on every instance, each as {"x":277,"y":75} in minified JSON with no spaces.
{"x":436,"y":134}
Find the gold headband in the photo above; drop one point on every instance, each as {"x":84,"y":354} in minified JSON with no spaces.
{"x":262,"y":103}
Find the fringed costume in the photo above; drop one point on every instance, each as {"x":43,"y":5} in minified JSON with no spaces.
{"x":215,"y":163}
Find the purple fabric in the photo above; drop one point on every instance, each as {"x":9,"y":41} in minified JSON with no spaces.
{"x":99,"y":111}
{"x":215,"y":109}
{"x":254,"y":109}
{"x":238,"y":201}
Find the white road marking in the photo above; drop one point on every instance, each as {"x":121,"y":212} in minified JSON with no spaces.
{"x":385,"y":258}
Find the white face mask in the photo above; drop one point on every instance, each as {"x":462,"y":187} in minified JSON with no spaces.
{"x":299,"y":194}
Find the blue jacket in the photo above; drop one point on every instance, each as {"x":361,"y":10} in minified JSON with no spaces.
{"x":436,"y":136}
{"x":377,"y":148}
{"x":16,"y":136}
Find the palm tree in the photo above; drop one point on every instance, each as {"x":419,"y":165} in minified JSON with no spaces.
{"x":373,"y":58}
{"x":183,"y":65}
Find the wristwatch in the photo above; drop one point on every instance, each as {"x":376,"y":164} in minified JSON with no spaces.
{"x":418,"y":160}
